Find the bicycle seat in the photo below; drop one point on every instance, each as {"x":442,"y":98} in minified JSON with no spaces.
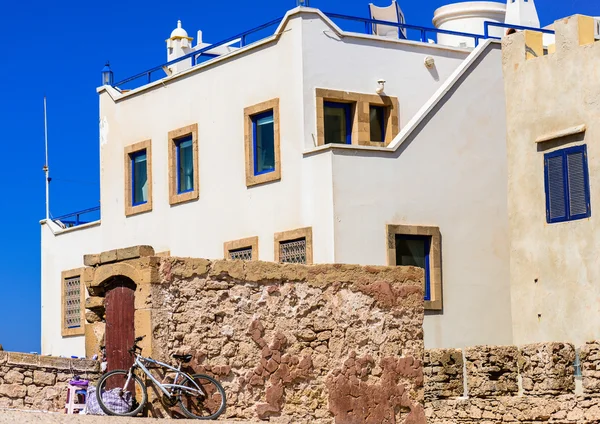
{"x":183,"y":358}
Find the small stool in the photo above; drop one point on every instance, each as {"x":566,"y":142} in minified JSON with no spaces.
{"x":76,"y":396}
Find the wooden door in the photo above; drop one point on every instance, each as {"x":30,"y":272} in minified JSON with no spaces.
{"x":120,"y":332}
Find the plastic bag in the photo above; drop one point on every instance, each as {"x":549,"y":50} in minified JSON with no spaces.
{"x":116,"y":400}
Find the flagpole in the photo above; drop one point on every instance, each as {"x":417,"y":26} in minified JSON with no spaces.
{"x":46,"y":168}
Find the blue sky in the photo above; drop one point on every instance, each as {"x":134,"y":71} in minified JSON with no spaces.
{"x":58,"y":48}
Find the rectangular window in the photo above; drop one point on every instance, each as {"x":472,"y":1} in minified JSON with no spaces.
{"x":263,"y":129}
{"x":244,"y":254}
{"x":139,"y":178}
{"x":261,"y":143}
{"x":72,"y":303}
{"x":293,"y":251}
{"x":185,"y":164}
{"x":414,"y":251}
{"x":338,"y":122}
{"x":567,"y":184}
{"x":377,"y":117}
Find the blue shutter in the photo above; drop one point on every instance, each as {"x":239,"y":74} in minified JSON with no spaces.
{"x":578,"y":184}
{"x":556,"y":204}
{"x":567,"y":184}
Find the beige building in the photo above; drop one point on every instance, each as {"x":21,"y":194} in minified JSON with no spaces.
{"x":553,"y":111}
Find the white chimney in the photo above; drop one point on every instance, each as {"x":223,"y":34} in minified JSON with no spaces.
{"x":522,"y":12}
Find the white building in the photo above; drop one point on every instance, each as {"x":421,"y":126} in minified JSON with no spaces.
{"x":234,"y":157}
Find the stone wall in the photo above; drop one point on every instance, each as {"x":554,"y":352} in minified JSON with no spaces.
{"x":545,"y":394}
{"x":295,"y":343}
{"x":39,"y":382}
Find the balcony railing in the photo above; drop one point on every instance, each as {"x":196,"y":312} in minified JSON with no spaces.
{"x":74,"y":219}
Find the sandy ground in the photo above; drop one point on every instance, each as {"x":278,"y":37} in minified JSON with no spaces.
{"x":18,"y":417}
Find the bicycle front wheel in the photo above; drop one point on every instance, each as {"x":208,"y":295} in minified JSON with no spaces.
{"x":116,"y":399}
{"x":202,"y":406}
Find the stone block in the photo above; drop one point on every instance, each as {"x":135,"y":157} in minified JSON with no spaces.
{"x":92,"y":317}
{"x":94,"y":303}
{"x":3,"y":357}
{"x":108,"y":257}
{"x":94,"y":338}
{"x":23,"y":359}
{"x":134,"y":252}
{"x":590,"y":367}
{"x":13,"y":377}
{"x":85,"y":365}
{"x":443,"y":373}
{"x":492,"y":371}
{"x":43,"y":378}
{"x":228,"y":270}
{"x":91,"y":260}
{"x":547,"y":368}
{"x":55,"y":363}
{"x":13,"y":391}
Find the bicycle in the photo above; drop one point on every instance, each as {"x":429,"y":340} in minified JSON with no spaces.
{"x":123,"y":393}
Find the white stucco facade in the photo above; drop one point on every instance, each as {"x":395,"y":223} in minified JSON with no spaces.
{"x":446,"y":168}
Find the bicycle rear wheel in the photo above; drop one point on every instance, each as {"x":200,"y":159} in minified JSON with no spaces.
{"x":115,"y":399}
{"x":207,"y":406}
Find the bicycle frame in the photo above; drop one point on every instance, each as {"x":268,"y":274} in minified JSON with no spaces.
{"x":139,"y":363}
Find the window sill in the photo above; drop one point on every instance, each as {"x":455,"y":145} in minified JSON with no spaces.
{"x":184,"y":197}
{"x":135,"y":210}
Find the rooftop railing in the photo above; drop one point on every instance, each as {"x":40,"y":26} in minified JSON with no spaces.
{"x":366,"y":24}
{"x":74,"y":219}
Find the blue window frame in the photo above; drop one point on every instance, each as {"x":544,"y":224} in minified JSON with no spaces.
{"x":377,"y":116}
{"x":185,"y":164}
{"x":139,"y":178}
{"x":337,"y":122}
{"x":263,"y":133}
{"x":567,"y":184}
{"x":414,"y":251}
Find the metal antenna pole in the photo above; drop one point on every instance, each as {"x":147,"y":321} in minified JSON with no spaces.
{"x":46,"y":168}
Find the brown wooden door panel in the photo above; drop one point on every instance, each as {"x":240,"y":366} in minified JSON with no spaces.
{"x":120,"y":331}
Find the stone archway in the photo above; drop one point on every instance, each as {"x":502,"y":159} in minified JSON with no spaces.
{"x":118,"y":283}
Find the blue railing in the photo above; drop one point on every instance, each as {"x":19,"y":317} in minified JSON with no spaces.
{"x":202,"y":53}
{"x":488,"y":24}
{"x":242,"y":38}
{"x":74,"y":219}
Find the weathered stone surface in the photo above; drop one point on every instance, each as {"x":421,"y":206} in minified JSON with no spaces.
{"x":92,"y":317}
{"x":91,"y":260}
{"x":276,"y":335}
{"x":108,"y":256}
{"x":443,"y":372}
{"x":94,"y":303}
{"x":134,"y":252}
{"x":492,"y":370}
{"x":590,"y":367}
{"x":39,"y":382}
{"x":547,"y":368}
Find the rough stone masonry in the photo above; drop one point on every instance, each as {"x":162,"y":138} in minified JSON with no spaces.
{"x":298,"y":343}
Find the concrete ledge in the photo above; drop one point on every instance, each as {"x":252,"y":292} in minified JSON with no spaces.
{"x":117,"y":255}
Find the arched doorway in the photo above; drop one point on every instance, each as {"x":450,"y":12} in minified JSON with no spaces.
{"x":120,"y":327}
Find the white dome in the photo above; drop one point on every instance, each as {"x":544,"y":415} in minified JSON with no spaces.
{"x":179,"y":32}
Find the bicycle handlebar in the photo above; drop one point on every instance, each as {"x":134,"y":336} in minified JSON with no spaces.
{"x":135,"y":347}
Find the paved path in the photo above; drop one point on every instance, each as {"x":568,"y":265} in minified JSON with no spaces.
{"x":23,"y":417}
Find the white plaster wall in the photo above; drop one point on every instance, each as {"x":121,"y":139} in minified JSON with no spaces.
{"x":450,"y":174}
{"x":61,"y":253}
{"x":355,"y":64}
{"x":544,"y":96}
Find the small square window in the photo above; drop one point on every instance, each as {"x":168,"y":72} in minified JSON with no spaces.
{"x":185,"y":164}
{"x":263,"y":134}
{"x":567,"y":184}
{"x":414,"y":251}
{"x":377,"y":118}
{"x":338,"y":122}
{"x":243,"y":249}
{"x":294,"y":247}
{"x":139,"y":178}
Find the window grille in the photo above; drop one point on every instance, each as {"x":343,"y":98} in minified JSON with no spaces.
{"x":72,"y":302}
{"x":293,"y":251}
{"x":244,"y":254}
